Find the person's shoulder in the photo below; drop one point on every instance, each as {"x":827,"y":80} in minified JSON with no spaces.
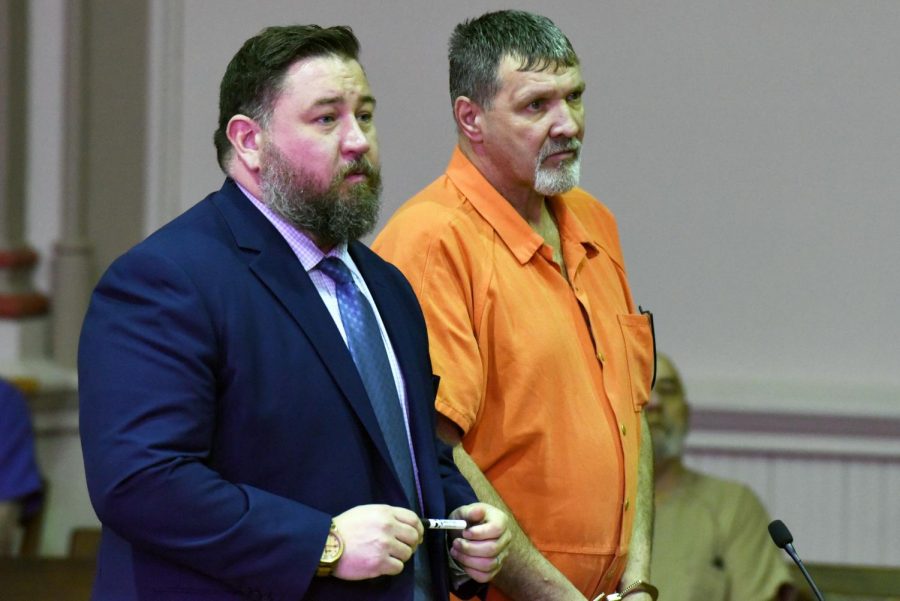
{"x":705,"y":480}
{"x":431,"y":209}
{"x":725,"y":490}
{"x":589,"y":208}
{"x":205,"y":222}
{"x":9,"y":394}
{"x":597,"y":220}
{"x":201,"y":219}
{"x":373,"y":263}
{"x":13,"y":408}
{"x":368,"y":260}
{"x":439,"y":213}
{"x":184,"y":244}
{"x":377,"y":268}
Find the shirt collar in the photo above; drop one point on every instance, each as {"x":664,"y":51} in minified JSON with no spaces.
{"x":570,"y":226}
{"x":512,"y":228}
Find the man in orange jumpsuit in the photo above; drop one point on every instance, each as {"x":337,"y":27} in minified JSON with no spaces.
{"x":545,"y":363}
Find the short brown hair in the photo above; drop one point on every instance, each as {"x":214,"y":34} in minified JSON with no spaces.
{"x":252,"y":81}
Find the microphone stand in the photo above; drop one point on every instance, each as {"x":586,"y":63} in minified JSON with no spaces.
{"x":783,"y":539}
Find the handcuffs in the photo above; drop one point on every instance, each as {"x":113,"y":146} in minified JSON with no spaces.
{"x":635,"y":587}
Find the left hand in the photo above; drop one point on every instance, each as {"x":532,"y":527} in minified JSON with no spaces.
{"x":481,"y":548}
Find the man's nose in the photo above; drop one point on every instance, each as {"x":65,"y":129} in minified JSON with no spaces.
{"x":568,"y":121}
{"x":355,"y":141}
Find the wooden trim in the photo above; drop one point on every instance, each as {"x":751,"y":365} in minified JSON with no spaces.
{"x":733,"y":420}
{"x":57,"y":578}
{"x":773,"y":453}
{"x":863,"y":582}
{"x":17,"y":258}
{"x":13,"y":306}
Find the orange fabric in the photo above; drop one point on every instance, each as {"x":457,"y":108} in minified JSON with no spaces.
{"x":545,"y":378}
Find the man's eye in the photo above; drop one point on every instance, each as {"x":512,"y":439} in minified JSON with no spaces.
{"x":575,"y":96}
{"x":325,"y":119}
{"x":365,"y":117}
{"x":536,"y":105}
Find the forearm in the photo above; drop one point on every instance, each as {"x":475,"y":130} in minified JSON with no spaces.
{"x":526,"y":574}
{"x":638,"y":566}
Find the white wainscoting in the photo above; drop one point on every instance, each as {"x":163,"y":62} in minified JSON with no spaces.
{"x":833,"y":478}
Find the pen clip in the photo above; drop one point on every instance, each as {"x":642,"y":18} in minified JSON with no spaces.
{"x":649,"y":315}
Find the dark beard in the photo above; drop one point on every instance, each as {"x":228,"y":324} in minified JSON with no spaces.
{"x":330,"y":216}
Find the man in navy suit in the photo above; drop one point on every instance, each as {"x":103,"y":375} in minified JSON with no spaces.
{"x":233,"y":448}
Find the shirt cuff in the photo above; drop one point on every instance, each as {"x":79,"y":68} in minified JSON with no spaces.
{"x":458,"y":576}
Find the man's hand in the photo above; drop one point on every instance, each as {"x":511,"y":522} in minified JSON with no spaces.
{"x":481,"y":548}
{"x":378,"y":540}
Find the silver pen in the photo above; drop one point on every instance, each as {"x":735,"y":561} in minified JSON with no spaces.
{"x":433,"y":524}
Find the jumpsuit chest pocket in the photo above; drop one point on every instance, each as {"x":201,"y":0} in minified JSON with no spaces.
{"x":637,"y":335}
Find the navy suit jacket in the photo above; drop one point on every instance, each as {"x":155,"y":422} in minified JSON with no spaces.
{"x":224,"y":423}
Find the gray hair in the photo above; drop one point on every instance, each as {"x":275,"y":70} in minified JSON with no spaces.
{"x":478,"y":45}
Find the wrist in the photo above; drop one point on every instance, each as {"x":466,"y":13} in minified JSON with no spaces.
{"x":331,"y":554}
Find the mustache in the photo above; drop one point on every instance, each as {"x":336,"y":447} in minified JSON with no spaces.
{"x":553,"y":146}
{"x":360,"y":166}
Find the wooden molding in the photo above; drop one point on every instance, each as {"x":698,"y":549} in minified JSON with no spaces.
{"x":18,"y":258}
{"x":794,"y":422}
{"x":820,"y":436}
{"x":15,"y":306}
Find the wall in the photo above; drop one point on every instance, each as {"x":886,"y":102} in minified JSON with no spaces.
{"x":748,"y":149}
{"x":749,"y":152}
{"x":115,"y":128}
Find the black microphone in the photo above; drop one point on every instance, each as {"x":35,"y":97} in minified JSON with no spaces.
{"x":783,"y":539}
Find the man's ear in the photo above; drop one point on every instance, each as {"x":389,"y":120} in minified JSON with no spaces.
{"x":245,"y":136}
{"x":468,"y":116}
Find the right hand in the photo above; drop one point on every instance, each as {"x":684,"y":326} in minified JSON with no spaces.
{"x":378,"y":540}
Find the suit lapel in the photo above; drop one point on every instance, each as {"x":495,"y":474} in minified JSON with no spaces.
{"x":395,"y":322}
{"x":270,"y":258}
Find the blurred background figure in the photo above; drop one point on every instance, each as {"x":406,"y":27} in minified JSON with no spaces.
{"x":710,"y":538}
{"x":20,"y":481}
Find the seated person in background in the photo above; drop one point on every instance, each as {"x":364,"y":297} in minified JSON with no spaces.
{"x":710,"y":539}
{"x":20,"y":481}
